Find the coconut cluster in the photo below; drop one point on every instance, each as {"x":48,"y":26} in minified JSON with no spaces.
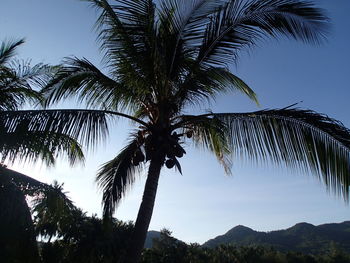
{"x":174,"y":151}
{"x":171,"y":144}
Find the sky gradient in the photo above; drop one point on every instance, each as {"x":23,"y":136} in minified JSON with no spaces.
{"x":203,"y":202}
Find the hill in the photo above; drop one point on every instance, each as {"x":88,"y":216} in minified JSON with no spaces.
{"x":302,"y":237}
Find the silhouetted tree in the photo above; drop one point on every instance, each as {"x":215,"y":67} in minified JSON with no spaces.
{"x":29,"y":136}
{"x":162,"y":58}
{"x":17,"y":236}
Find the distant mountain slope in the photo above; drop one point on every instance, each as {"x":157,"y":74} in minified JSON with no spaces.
{"x":302,"y":237}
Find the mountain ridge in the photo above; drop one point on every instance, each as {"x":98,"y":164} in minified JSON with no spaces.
{"x":303,"y":237}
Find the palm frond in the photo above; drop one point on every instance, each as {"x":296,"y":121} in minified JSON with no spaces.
{"x":80,"y":78}
{"x":8,"y":50}
{"x":212,"y":134}
{"x":123,"y":15}
{"x":301,"y":139}
{"x":124,"y":31}
{"x":17,"y":82}
{"x":241,"y":24}
{"x":12,"y":98}
{"x":27,"y":75}
{"x":207,"y":82}
{"x":52,"y":210}
{"x":86,"y":126}
{"x":183,"y":23}
{"x":34,"y":146}
{"x":111,"y":29}
{"x":138,"y":13}
{"x":188,"y":17}
{"x":116,"y":176}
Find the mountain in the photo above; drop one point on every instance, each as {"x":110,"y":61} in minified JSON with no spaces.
{"x":302,"y":237}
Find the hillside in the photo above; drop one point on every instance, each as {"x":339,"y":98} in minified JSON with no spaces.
{"x":302,"y":237}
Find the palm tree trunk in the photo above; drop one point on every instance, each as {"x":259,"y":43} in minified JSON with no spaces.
{"x":146,"y":209}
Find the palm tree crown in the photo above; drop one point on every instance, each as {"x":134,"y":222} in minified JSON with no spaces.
{"x":31,"y":135}
{"x":17,"y":78}
{"x":163,"y":58}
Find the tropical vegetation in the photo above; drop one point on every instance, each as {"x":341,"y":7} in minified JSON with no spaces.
{"x":82,"y":238}
{"x":168,"y":249}
{"x":162,"y":58}
{"x":31,"y":135}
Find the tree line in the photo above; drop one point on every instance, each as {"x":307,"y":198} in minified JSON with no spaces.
{"x":66,"y":234}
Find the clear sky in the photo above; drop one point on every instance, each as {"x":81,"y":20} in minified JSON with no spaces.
{"x":203,"y":202}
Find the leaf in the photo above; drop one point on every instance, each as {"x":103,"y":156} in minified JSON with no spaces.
{"x":301,"y":139}
{"x":212,"y":134}
{"x":8,"y":49}
{"x":31,"y":134}
{"x":80,"y":78}
{"x":208,"y":82}
{"x":240,"y":24}
{"x":116,"y":176}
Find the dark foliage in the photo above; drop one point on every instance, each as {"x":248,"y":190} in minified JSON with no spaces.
{"x":89,"y":240}
{"x":76,"y":236}
{"x":17,"y":237}
{"x":168,"y":249}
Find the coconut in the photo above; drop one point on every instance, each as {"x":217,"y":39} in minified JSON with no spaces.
{"x":170,"y":163}
{"x":178,"y":151}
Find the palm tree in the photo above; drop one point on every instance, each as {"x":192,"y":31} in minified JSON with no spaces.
{"x":17,"y":76}
{"x":163,"y":58}
{"x":52,"y":211}
{"x":29,"y":136}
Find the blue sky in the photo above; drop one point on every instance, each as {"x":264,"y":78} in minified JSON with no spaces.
{"x":203,"y":202}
